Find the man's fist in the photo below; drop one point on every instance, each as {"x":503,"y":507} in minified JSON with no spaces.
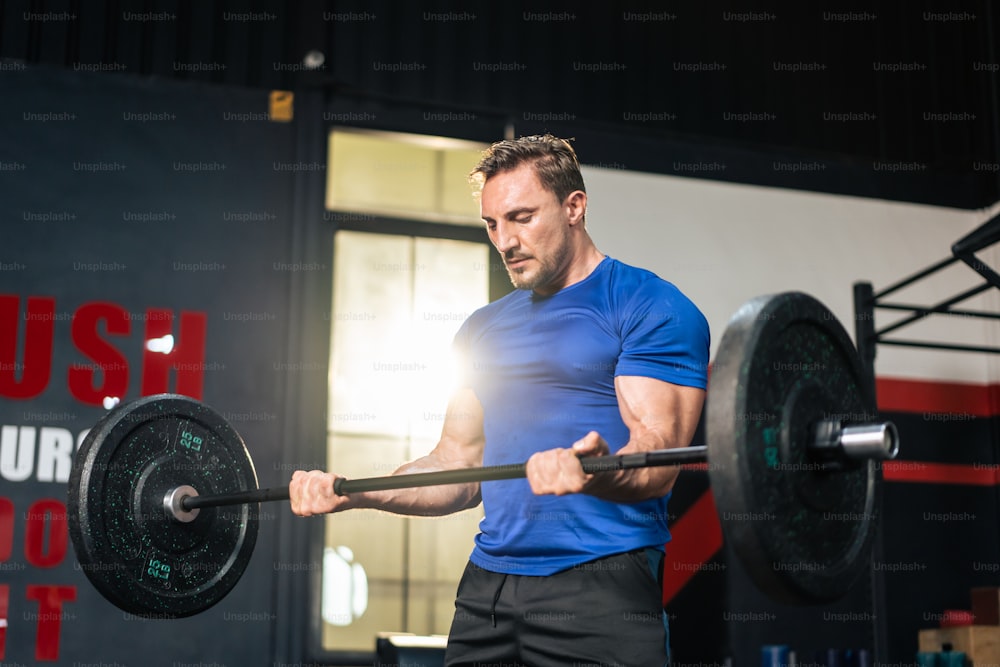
{"x":312,"y":493}
{"x":558,"y":471}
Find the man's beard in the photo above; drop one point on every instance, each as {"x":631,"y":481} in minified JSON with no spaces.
{"x":547,"y":271}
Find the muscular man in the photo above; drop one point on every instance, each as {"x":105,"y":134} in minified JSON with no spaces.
{"x":589,"y":356}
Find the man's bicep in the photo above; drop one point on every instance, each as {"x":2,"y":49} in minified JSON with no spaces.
{"x":658,"y":414}
{"x":462,"y":439}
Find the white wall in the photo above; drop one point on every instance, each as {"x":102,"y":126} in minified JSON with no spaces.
{"x":723,"y":244}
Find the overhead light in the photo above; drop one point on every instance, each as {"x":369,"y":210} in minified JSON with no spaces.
{"x":313,"y":59}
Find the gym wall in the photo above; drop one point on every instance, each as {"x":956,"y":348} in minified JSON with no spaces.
{"x":133,"y":211}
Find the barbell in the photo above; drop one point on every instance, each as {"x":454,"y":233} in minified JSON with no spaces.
{"x":162,"y":499}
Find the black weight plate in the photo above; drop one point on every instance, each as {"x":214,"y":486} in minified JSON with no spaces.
{"x":803,"y":532}
{"x":139,"y":558}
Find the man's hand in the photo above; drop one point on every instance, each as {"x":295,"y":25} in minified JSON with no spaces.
{"x":558,"y":471}
{"x":312,"y":493}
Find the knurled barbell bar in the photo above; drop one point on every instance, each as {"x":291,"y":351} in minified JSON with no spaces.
{"x":833,"y":444}
{"x":162,"y":497}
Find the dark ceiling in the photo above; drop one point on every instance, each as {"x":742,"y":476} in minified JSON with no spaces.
{"x":912,"y":83}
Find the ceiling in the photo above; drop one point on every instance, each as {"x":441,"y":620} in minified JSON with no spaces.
{"x":912,"y":83}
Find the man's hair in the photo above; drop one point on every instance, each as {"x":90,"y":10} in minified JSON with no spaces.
{"x":553,"y":158}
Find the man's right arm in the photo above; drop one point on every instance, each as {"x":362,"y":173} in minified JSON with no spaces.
{"x":461,"y":446}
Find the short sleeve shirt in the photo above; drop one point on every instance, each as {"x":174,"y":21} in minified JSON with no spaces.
{"x":544,"y":368}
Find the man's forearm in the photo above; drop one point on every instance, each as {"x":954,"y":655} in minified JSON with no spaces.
{"x":635,"y":484}
{"x":420,"y":501}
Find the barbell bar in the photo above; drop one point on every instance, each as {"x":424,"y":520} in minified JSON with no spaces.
{"x":163,"y":499}
{"x":834,"y":443}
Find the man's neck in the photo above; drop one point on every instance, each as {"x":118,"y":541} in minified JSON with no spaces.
{"x":582,"y":265}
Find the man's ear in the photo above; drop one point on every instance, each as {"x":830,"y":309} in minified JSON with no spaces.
{"x":575,"y":206}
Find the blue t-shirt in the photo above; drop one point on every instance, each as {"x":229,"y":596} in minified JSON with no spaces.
{"x":543,"y":368}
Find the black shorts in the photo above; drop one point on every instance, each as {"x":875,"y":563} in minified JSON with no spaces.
{"x":606,"y":613}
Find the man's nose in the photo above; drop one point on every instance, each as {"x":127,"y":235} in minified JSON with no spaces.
{"x":505,"y":238}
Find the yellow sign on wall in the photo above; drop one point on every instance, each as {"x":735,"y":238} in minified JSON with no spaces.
{"x":281,"y":107}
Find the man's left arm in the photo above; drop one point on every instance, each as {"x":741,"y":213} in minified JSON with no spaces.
{"x":658,"y":414}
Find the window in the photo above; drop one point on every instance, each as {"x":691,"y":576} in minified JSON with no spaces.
{"x":399,"y":296}
{"x":390,"y":174}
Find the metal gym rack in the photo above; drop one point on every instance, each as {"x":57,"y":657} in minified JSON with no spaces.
{"x":866,"y":300}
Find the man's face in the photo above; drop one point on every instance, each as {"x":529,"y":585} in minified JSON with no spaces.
{"x":529,"y":227}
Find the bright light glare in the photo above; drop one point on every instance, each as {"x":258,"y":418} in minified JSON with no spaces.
{"x":164,"y":344}
{"x":345,"y":587}
{"x":418,"y":393}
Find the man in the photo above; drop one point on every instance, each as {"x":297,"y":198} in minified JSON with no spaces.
{"x":587,"y":357}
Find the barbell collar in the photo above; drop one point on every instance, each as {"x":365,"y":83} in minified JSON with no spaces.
{"x":871,"y":441}
{"x":175,"y":503}
{"x":835,"y":443}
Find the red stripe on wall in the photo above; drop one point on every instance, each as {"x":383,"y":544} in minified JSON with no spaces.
{"x":976,"y":474}
{"x":933,"y":397}
{"x":907,"y":395}
{"x":696,"y":537}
